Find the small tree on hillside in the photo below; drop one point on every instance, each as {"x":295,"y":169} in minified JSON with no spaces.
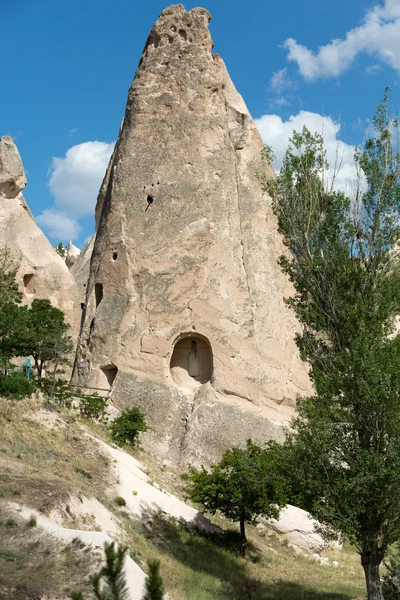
{"x":342,"y":455}
{"x":154,"y":583}
{"x":13,"y":317}
{"x":47,"y":338}
{"x":244,"y":485}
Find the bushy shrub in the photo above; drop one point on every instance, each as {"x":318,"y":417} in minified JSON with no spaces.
{"x":125,"y":428}
{"x":16,"y":386}
{"x":92,"y":406}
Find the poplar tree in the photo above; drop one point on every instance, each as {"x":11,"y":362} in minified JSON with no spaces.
{"x":342,"y":455}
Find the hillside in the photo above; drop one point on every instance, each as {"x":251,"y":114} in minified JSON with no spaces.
{"x":59,"y":480}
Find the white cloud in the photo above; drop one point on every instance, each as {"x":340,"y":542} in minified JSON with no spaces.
{"x":378,"y":35}
{"x":276,"y":133}
{"x":74,"y":183}
{"x":279,"y":81}
{"x":75,"y":179}
{"x":58,"y":225}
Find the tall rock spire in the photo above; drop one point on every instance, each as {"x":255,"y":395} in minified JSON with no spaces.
{"x":185,"y":315}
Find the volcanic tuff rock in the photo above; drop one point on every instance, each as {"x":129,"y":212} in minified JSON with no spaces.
{"x":80,"y":269}
{"x":184,"y":311}
{"x":42,"y":273}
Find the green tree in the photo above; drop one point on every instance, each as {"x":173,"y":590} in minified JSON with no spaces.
{"x":126,"y":428}
{"x":342,"y":454}
{"x":13,"y":317}
{"x":109,"y":583}
{"x":244,"y":485}
{"x":47,"y":337}
{"x":154,"y":583}
{"x":60,"y":249}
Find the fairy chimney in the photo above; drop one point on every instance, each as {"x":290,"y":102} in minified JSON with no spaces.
{"x":42,"y":273}
{"x":185,"y":315}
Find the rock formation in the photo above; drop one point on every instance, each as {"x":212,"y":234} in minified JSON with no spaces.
{"x":42,"y":273}
{"x":71,"y":254}
{"x":80,"y":269}
{"x":184,"y":313}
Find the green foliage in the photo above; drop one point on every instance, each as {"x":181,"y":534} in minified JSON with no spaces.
{"x":16,"y":386}
{"x":125,"y":428}
{"x":9,"y":291}
{"x":154,"y":583}
{"x":83,"y":472}
{"x":391,"y":579}
{"x":109,"y":583}
{"x":13,"y":318}
{"x":60,"y":249}
{"x":244,"y":485}
{"x":92,"y":406}
{"x":32,"y":522}
{"x":120,"y":501}
{"x":341,"y":455}
{"x":47,"y":336}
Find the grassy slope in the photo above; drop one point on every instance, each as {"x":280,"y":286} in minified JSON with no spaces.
{"x":33,"y":564}
{"x":40,"y":467}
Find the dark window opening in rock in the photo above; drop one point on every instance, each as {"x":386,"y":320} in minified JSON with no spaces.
{"x":98,"y":292}
{"x":191,"y":360}
{"x":149,"y":202}
{"x":109,"y":373}
{"x":91,"y":326}
{"x":29,"y":283}
{"x":183,"y":34}
{"x":82,"y":305}
{"x":115,"y":256}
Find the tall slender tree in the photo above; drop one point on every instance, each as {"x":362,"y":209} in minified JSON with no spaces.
{"x":342,"y":455}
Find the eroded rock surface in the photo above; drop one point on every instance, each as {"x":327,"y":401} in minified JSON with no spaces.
{"x":42,"y":273}
{"x":186,"y":251}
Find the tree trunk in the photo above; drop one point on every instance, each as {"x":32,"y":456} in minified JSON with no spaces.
{"x":371,"y":560}
{"x":53,"y":382}
{"x":243,"y":539}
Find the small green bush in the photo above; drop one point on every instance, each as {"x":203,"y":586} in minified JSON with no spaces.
{"x":83,"y":472}
{"x":32,"y":521}
{"x":125,"y":428}
{"x":16,"y":386}
{"x":120,"y":501}
{"x":92,"y":406}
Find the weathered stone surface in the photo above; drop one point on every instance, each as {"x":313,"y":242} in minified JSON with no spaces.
{"x":12,"y":174}
{"x":42,"y":273}
{"x":71,"y":254}
{"x":300,"y":528}
{"x":80,"y":269}
{"x":187,"y":247}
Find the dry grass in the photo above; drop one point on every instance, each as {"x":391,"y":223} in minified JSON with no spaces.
{"x":42,"y":467}
{"x":33,"y":564}
{"x":198,"y":566}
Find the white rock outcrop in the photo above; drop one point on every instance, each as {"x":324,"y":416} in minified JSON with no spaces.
{"x":300,"y":529}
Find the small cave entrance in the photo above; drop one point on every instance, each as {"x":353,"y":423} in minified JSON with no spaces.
{"x":98,"y":292}
{"x":29,"y":283}
{"x":107,"y":377}
{"x":191,"y":361}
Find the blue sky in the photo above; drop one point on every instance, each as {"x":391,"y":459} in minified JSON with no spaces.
{"x":67,"y":66}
